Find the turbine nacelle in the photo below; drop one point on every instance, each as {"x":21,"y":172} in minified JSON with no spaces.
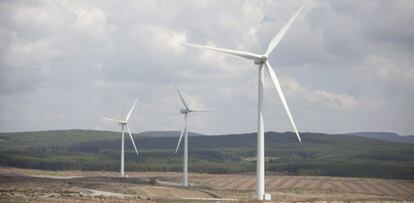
{"x":184,"y":111}
{"x":260,"y":60}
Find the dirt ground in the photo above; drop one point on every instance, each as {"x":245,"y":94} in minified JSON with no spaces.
{"x":25,"y":185}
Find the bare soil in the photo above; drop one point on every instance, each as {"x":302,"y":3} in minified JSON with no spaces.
{"x":26,"y":185}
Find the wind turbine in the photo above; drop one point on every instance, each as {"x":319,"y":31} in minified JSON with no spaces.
{"x":123,"y":124}
{"x":262,"y":61}
{"x":186,"y":111}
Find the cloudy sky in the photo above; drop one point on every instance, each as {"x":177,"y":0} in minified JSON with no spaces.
{"x":345,"y":66}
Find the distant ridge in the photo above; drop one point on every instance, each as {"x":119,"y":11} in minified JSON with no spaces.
{"x":166,"y":134}
{"x":387,"y":136}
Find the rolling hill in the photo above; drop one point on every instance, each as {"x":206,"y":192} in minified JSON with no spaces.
{"x":319,"y":154}
{"x":393,"y":137}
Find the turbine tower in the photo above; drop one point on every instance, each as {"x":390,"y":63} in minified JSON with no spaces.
{"x":186,"y":112}
{"x":261,"y":60}
{"x":123,"y":124}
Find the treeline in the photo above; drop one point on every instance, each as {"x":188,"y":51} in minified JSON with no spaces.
{"x":108,"y":160}
{"x":100,"y":163}
{"x":319,"y":154}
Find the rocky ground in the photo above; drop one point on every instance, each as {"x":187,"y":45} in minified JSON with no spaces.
{"x":24,"y":185}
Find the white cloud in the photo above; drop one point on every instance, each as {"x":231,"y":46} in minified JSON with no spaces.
{"x":161,"y":38}
{"x":410,"y":74}
{"x":319,"y":98}
{"x":342,"y":63}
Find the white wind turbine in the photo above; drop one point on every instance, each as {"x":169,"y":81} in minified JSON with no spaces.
{"x":186,"y":111}
{"x":262,"y":61}
{"x":124,"y":123}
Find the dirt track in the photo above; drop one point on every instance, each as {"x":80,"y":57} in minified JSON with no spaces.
{"x":19,"y":185}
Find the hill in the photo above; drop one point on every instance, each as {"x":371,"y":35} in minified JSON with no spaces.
{"x":64,"y":138}
{"x":393,"y":137}
{"x":165,"y":134}
{"x":319,"y":154}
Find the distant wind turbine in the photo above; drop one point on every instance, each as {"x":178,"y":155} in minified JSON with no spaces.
{"x":262,"y":61}
{"x":124,"y":123}
{"x":186,"y":111}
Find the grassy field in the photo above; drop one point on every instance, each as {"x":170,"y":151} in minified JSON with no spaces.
{"x":318,"y":155}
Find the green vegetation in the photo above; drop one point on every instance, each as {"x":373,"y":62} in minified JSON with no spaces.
{"x":58,"y":138}
{"x":319,"y":154}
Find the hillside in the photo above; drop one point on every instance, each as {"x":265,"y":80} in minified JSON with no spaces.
{"x":64,"y":138}
{"x":319,"y":154}
{"x":393,"y":137}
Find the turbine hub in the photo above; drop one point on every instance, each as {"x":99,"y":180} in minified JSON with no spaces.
{"x":184,"y":111}
{"x":260,"y":60}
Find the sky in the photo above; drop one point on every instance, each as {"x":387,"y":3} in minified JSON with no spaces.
{"x":345,"y":66}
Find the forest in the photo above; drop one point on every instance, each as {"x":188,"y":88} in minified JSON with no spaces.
{"x":318,"y":154}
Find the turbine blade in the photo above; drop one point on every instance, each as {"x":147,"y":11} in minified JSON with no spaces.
{"x":181,"y":97}
{"x":241,"y":54}
{"x":182,"y":132}
{"x":275,"y":41}
{"x":203,"y":110}
{"x":132,"y":139}
{"x":130,"y":111}
{"x":282,"y":96}
{"x":111,"y":119}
